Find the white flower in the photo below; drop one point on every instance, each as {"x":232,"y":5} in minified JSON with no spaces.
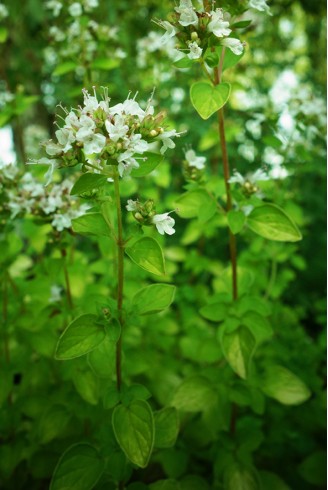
{"x":170,"y":31}
{"x":195,"y":161}
{"x":260,"y":5}
{"x":129,"y":107}
{"x":195,"y":51}
{"x":167,"y":141}
{"x":219,"y":23}
{"x":55,"y":294}
{"x":61,"y":221}
{"x":3,"y":11}
{"x":90,"y":102}
{"x":87,"y":126}
{"x":235,"y":45}
{"x":75,"y":9}
{"x":136,"y":145}
{"x":65,"y":138}
{"x":188,"y":16}
{"x":164,"y":223}
{"x":126,"y":163}
{"x":53,"y":149}
{"x":132,"y":205}
{"x":117,"y":129}
{"x":94,"y":143}
{"x":253,"y":178}
{"x":72,"y":121}
{"x":90,"y":4}
{"x":9,"y":170}
{"x":55,"y":6}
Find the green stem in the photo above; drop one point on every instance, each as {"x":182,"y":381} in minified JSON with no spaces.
{"x":272,"y":279}
{"x":120,"y":276}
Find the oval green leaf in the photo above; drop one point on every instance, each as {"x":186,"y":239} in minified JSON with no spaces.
{"x":147,"y":254}
{"x":91,"y":224}
{"x":80,"y":337}
{"x":207,"y":98}
{"x":194,"y":395}
{"x":166,"y":427}
{"x":79,"y":468}
{"x":196,"y":204}
{"x":238,"y":348}
{"x":147,"y":166}
{"x":134,"y":430}
{"x":153,"y":298}
{"x":236,"y":221}
{"x":271,"y":222}
{"x":88,"y":182}
{"x":284,"y":386}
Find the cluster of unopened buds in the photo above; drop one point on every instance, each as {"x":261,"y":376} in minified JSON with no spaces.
{"x":196,"y":29}
{"x":100,"y":136}
{"x":145,"y":214}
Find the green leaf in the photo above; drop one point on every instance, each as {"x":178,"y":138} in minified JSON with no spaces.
{"x":238,"y":348}
{"x":91,"y":224}
{"x":196,"y":204}
{"x":236,"y":221}
{"x":169,"y":484}
{"x":88,"y":182}
{"x":215,"y":312}
{"x":271,"y":222}
{"x":258,"y":325}
{"x":284,"y":386}
{"x":166,"y":427}
{"x":183,"y":62}
{"x":147,"y":254}
{"x":314,"y":469}
{"x":80,"y":337}
{"x":134,"y":430}
{"x":65,"y":67}
{"x":87,"y":385}
{"x":194,"y":482}
{"x":79,"y":468}
{"x":52,"y":423}
{"x":105,"y":64}
{"x":3,"y":34}
{"x":271,"y":481}
{"x":238,"y":477}
{"x":194,"y":395}
{"x":207,"y":98}
{"x":242,"y":24}
{"x":147,"y":166}
{"x":153,"y":298}
{"x":102,"y":358}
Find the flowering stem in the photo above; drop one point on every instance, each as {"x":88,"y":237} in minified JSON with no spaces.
{"x":226,"y":174}
{"x":120,"y":275}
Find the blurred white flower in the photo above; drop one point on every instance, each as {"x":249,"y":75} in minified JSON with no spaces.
{"x":132,"y":205}
{"x":259,"y":5}
{"x":252,"y":178}
{"x":75,"y":10}
{"x":55,"y":6}
{"x":164,"y":223}
{"x":55,"y":294}
{"x":195,"y":161}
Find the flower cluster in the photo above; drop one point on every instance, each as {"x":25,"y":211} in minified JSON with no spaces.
{"x":81,"y":40}
{"x":23,"y":195}
{"x":99,"y":136}
{"x":194,"y":30}
{"x":145,"y":214}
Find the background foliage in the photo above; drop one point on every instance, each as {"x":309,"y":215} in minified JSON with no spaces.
{"x":214,"y":429}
